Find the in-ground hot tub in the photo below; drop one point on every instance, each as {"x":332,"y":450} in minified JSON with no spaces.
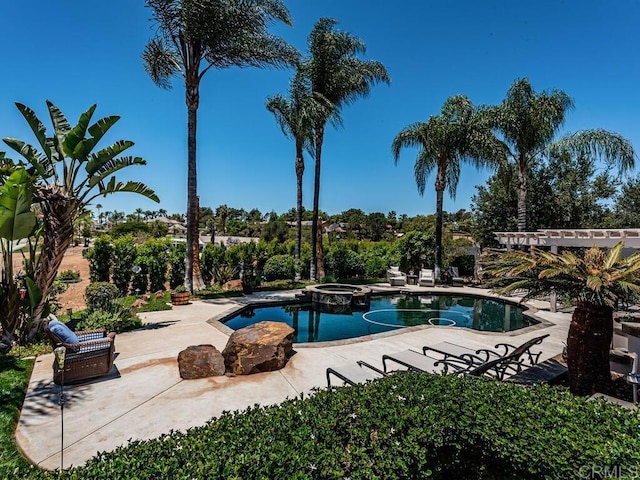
{"x":339,"y":295}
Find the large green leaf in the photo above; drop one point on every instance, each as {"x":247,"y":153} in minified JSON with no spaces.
{"x":134,"y":187}
{"x":16,"y":218}
{"x":61,"y":128}
{"x":37,"y":127}
{"x":74,"y":138}
{"x":98,"y":160}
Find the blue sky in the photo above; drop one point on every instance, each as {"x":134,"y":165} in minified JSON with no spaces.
{"x":76,"y":53}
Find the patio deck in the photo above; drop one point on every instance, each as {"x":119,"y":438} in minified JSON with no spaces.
{"x":145,"y":397}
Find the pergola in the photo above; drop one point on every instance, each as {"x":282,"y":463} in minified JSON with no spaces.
{"x":571,"y":238}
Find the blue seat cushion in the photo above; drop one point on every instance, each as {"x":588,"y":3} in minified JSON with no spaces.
{"x":63,"y":332}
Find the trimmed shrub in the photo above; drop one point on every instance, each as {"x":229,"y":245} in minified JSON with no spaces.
{"x":213,"y":256}
{"x":279,"y":267}
{"x":69,"y":276}
{"x":124,"y":255}
{"x":100,"y":259}
{"x":342,"y":262}
{"x":177,"y":267}
{"x":411,"y":426}
{"x":100,"y":295}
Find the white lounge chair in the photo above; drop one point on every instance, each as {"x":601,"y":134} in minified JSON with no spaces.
{"x":426,"y":278}
{"x":395,"y":277}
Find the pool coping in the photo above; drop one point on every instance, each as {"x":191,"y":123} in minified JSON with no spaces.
{"x":217,"y":321}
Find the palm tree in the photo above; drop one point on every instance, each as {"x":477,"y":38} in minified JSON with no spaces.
{"x":528,"y":122}
{"x":70,"y":177}
{"x":339,"y":76}
{"x":596,"y":282}
{"x":296,"y":116}
{"x":459,"y":133}
{"x":138,"y":212}
{"x":99,"y":207}
{"x":194,"y":37}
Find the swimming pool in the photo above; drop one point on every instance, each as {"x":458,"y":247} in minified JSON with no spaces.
{"x":388,"y":313}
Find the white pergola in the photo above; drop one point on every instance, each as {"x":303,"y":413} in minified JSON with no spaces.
{"x":572,"y":238}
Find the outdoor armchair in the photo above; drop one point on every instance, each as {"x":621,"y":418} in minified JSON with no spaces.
{"x":395,"y":277}
{"x":92,"y":356}
{"x":426,"y":278}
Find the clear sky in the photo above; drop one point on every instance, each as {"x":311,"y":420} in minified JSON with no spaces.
{"x":78,"y":52}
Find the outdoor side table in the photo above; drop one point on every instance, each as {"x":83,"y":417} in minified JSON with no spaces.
{"x":412,"y":279}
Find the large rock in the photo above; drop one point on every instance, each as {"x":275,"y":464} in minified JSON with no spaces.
{"x":263,"y":347}
{"x":200,"y":361}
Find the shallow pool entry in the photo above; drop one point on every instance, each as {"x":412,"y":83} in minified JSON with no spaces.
{"x":322,"y":323}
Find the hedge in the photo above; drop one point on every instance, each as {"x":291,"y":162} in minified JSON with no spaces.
{"x":404,"y":426}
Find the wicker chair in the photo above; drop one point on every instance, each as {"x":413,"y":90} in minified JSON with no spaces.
{"x":91,"y":357}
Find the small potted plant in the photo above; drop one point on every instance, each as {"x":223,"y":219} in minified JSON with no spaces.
{"x":180,"y":295}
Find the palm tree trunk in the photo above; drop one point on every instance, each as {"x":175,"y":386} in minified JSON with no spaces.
{"x":440,"y":186}
{"x":522,"y":195}
{"x":299,"y":174}
{"x":59,"y":214}
{"x":192,"y":99}
{"x":588,"y":344}
{"x":316,"y":199}
{"x":320,"y":269}
{"x":198,"y":282}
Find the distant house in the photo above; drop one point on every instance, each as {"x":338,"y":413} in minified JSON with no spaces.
{"x":175,"y":227}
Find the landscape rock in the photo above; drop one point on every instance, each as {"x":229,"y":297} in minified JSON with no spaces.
{"x":200,"y":361}
{"x":232,"y":285}
{"x":263,"y":347}
{"x":139,"y":303}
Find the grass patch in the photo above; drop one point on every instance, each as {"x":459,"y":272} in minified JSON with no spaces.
{"x":14,"y":377}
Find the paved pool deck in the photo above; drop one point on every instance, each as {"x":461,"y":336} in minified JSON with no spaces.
{"x":145,"y":397}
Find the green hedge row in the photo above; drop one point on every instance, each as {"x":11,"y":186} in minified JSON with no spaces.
{"x":401,"y":427}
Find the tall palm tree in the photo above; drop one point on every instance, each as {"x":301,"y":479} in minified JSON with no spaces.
{"x":99,"y":207}
{"x":138,"y":212}
{"x":528,"y":122}
{"x":337,"y":74}
{"x":296,"y":116}
{"x":194,"y":37}
{"x":459,"y":133}
{"x":596,"y":282}
{"x":71,"y":176}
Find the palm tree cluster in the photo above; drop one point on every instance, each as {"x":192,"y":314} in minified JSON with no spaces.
{"x":331,"y":77}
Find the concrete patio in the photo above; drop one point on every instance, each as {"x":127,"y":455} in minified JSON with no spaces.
{"x":145,"y":397}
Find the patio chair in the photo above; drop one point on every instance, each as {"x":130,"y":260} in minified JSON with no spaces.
{"x":90,"y":356}
{"x":426,"y":278}
{"x":453,"y":277}
{"x":395,"y":277}
{"x":418,"y":362}
{"x":522,"y":352}
{"x":352,"y":374}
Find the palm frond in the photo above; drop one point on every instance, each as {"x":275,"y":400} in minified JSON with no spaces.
{"x":99,"y":159}
{"x":77,"y":134}
{"x":135,"y":187}
{"x":161,"y":62}
{"x":111,"y":166}
{"x":37,"y":127}
{"x":61,"y":128}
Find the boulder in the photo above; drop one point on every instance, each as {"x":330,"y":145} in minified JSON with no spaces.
{"x":200,"y":361}
{"x":263,"y":347}
{"x":139,"y":303}
{"x":232,"y":285}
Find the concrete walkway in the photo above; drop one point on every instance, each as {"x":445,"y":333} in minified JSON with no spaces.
{"x":145,"y":397}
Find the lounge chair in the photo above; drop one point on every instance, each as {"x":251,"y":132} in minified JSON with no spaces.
{"x":453,"y":277}
{"x":351,"y":374}
{"x":91,"y":356}
{"x":418,"y":362}
{"x":395,"y":277}
{"x":523,"y":353}
{"x":426,"y":278}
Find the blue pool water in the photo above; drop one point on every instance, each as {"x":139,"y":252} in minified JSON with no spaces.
{"x":388,"y":313}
